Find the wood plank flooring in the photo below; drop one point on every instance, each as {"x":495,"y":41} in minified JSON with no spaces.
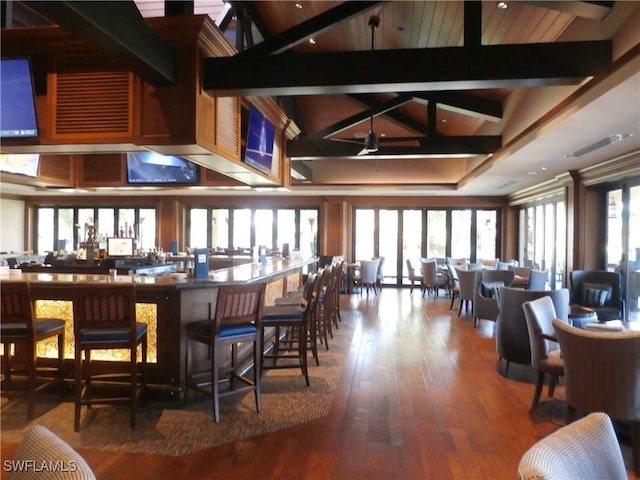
{"x":421,"y":396}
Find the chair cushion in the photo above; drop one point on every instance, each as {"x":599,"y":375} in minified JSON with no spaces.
{"x":97,"y":335}
{"x":43,"y":325}
{"x":490,"y":289}
{"x":596,"y":294}
{"x":282,"y":312}
{"x":204,"y":327}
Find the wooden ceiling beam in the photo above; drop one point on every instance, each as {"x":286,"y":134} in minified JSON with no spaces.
{"x":414,"y":70}
{"x":313,"y":27}
{"x":593,"y":10}
{"x":465,"y":104}
{"x":378,"y":109}
{"x":395,"y":116}
{"x":119,"y":32}
{"x":437,"y":146}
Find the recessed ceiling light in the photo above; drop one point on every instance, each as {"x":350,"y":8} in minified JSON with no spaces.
{"x":502,"y":5}
{"x":312,"y":41}
{"x":297,"y":5}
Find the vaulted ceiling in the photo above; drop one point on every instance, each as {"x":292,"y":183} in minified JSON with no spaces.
{"x":464,"y":98}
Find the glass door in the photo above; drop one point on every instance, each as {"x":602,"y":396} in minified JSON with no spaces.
{"x":633,"y":255}
{"x":388,"y":245}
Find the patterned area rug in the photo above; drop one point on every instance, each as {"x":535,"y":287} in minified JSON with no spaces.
{"x":169,"y":428}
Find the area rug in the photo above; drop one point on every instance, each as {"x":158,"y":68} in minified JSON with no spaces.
{"x":169,"y":428}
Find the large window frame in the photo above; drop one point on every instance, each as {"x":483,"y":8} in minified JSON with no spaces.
{"x":543,"y":237}
{"x":437,"y":233}
{"x":242,"y":225}
{"x":75,"y":220}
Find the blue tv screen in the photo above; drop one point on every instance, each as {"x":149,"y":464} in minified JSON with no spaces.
{"x":260,"y":137}
{"x":153,"y":168}
{"x":18,"y":113}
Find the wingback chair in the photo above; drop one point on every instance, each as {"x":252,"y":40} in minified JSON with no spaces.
{"x":602,"y":374}
{"x":598,"y":290}
{"x":512,"y":336}
{"x":485,"y":301}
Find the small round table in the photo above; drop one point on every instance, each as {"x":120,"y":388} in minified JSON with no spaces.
{"x":579,"y":316}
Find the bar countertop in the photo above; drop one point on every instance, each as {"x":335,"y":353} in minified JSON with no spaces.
{"x":239,"y":274}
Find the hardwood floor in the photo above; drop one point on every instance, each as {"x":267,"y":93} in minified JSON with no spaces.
{"x":421,"y":397}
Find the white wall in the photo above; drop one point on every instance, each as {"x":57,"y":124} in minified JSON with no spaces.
{"x":12,"y":225}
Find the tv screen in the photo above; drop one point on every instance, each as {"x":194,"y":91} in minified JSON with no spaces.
{"x":260,"y":137}
{"x":119,"y":247}
{"x":151,"y":167}
{"x":18,"y":114}
{"x":20,"y":163}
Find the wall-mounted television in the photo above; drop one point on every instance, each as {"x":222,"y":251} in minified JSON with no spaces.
{"x":118,"y":247}
{"x":260,"y":137}
{"x":154,"y":168}
{"x":20,"y":163}
{"x":18,"y":113}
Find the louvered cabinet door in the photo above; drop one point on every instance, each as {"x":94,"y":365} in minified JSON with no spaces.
{"x":92,"y":99}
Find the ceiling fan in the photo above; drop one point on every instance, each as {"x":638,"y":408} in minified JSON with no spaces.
{"x":371,"y":139}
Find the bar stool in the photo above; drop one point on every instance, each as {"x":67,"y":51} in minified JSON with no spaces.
{"x":295,"y":329}
{"x":237,"y":319}
{"x":105,"y":319}
{"x":20,"y":328}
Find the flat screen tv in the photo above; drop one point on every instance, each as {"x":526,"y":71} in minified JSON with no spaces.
{"x":118,"y":247}
{"x":260,"y":137}
{"x":20,"y":163}
{"x":154,"y":168}
{"x":18,"y":113}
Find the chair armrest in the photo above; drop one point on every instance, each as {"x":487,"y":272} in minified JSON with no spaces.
{"x":549,"y":337}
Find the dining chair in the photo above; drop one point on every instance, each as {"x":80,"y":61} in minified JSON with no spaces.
{"x":368,"y":275}
{"x":236,"y":319}
{"x":432,"y":280}
{"x":454,"y":284}
{"x":585,"y":449}
{"x":104,"y":318}
{"x":20,"y":329}
{"x":538,"y":280}
{"x":546,"y":357}
{"x":512,"y":335}
{"x":414,"y":274}
{"x":467,"y":280}
{"x":380,"y":273}
{"x":602,"y":374}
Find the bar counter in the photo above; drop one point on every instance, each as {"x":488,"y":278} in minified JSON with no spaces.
{"x":165,"y":303}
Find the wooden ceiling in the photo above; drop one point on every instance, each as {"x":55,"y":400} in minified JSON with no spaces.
{"x":438,"y":136}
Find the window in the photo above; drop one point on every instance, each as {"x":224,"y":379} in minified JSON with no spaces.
{"x":544,"y":239}
{"x":245,"y":228}
{"x":63,"y":228}
{"x":413,"y":233}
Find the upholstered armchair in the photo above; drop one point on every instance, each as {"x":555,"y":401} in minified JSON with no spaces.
{"x":602,"y":374}
{"x":598,"y":290}
{"x":512,"y":336}
{"x":587,"y":448}
{"x":485,"y":296}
